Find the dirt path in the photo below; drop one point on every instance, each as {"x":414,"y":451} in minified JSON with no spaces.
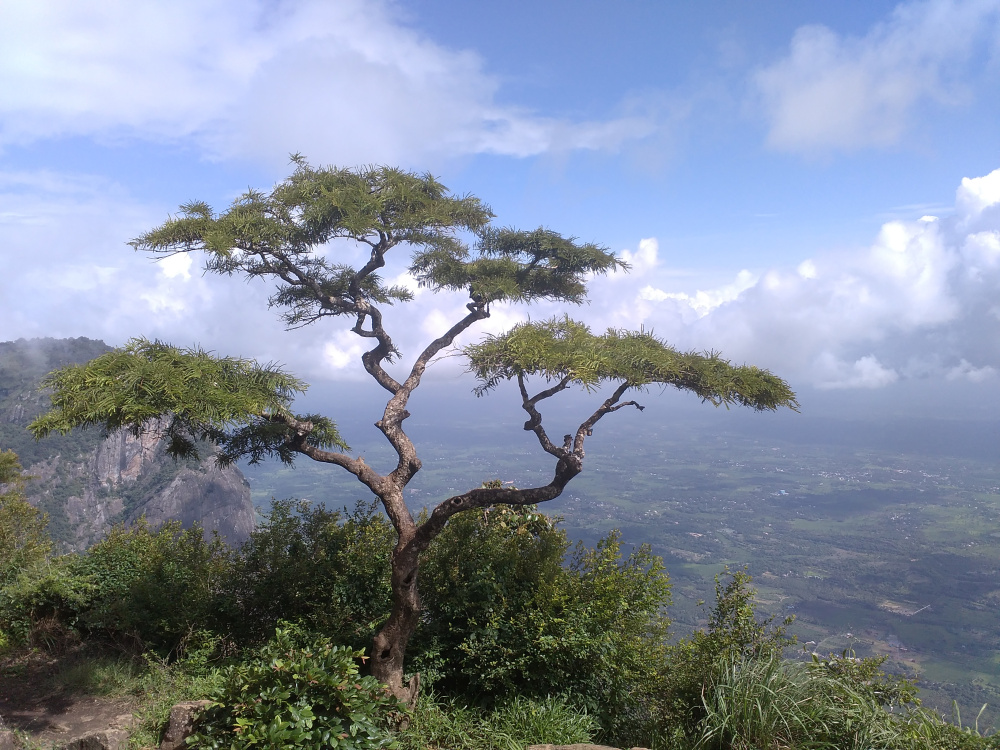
{"x":32,"y":701}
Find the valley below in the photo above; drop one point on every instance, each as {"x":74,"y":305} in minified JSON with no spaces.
{"x":876,"y":546}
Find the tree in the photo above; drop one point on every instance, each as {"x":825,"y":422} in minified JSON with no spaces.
{"x":23,"y":541}
{"x":290,"y":236}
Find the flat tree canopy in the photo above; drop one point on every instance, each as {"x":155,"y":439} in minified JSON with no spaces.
{"x":291,"y":237}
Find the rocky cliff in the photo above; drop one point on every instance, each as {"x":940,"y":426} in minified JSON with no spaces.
{"x":88,"y":482}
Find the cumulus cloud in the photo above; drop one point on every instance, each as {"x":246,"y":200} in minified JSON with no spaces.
{"x":703,"y":302}
{"x":644,"y":259}
{"x":964,"y":370}
{"x":920,"y":302}
{"x":343,"y":82}
{"x":834,"y":92}
{"x":866,"y":372}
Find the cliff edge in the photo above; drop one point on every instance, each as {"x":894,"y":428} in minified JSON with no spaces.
{"x":87,"y":482}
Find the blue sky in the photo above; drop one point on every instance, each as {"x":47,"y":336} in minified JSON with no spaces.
{"x":809,"y":186}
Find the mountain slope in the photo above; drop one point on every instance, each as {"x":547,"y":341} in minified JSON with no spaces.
{"x":88,"y":482}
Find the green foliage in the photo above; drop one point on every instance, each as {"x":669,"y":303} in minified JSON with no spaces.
{"x":42,"y":602}
{"x":562,"y":348}
{"x":262,"y":234}
{"x":23,"y":541}
{"x":924,"y":729}
{"x":163,"y":683}
{"x":514,"y":266}
{"x":504,"y":617}
{"x":734,"y":635}
{"x":229,"y":401}
{"x":152,"y":587}
{"x":299,"y":692}
{"x":763,"y":701}
{"x":324,"y":569}
{"x":443,"y":723}
{"x":730,"y":689}
{"x":481,"y":580}
{"x":34,"y":588}
{"x":10,"y":472}
{"x":866,"y":676}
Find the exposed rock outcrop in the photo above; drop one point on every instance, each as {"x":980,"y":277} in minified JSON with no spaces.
{"x":87,"y":482}
{"x":181,"y":725}
{"x":109,"y":739}
{"x":128,"y":477}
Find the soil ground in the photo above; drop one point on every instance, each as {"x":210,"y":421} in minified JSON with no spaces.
{"x":33,"y":701}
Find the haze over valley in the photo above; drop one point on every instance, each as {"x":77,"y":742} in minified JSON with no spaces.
{"x":811,"y":189}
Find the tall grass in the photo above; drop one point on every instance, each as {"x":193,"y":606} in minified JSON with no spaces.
{"x":102,"y":675}
{"x":446,"y":723}
{"x":774,"y":703}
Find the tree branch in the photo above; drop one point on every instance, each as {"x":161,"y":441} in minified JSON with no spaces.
{"x":391,"y":423}
{"x":567,"y":468}
{"x":586,"y":429}
{"x":534,"y":423}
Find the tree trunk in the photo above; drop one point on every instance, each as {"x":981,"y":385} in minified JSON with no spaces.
{"x":391,"y":641}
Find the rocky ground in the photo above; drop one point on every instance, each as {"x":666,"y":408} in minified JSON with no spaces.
{"x":33,"y":702}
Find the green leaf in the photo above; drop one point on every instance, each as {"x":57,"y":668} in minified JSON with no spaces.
{"x":562,"y":348}
{"x":187,"y":395}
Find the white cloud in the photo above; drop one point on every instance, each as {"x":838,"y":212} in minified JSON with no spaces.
{"x":176,"y":266}
{"x":920,"y":302}
{"x":702,"y":302}
{"x":65,"y":270}
{"x":644,"y":259}
{"x":976,"y":197}
{"x":866,"y":372}
{"x":844,"y":93}
{"x":964,"y":370}
{"x":343,"y":351}
{"x":340,"y":81}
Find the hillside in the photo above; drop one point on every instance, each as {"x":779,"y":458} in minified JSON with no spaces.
{"x":87,"y":482}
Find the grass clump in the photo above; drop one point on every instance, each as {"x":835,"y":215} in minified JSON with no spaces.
{"x":447,"y":723}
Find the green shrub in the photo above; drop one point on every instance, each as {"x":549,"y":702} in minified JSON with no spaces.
{"x":23,"y":540}
{"x":765,"y":701}
{"x":504,"y":617}
{"x":866,"y":676}
{"x":325,"y":569}
{"x":152,"y":587}
{"x":438,"y":722}
{"x":553,"y":720}
{"x":924,"y":729}
{"x":734,"y":634}
{"x":299,"y":692}
{"x":42,"y":604}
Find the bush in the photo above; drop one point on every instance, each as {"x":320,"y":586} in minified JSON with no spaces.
{"x":444,"y":723}
{"x":42,"y":604}
{"x":765,"y":701}
{"x":503,"y":617}
{"x":299,"y":692}
{"x":324,"y":569}
{"x":734,"y":635}
{"x":151,"y":588}
{"x":23,"y":541}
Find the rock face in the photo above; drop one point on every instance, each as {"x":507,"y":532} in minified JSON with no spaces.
{"x":181,"y":726}
{"x":110,"y":739}
{"x":87,"y":482}
{"x":127,"y":478}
